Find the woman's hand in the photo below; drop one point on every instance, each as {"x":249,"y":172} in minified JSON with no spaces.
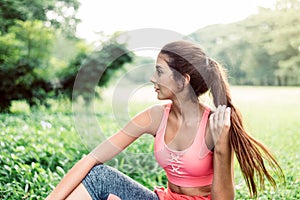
{"x":219,"y":125}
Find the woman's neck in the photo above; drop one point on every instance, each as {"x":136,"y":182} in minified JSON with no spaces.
{"x":186,"y":110}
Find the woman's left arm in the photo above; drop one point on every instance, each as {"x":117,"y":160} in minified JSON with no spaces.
{"x":223,"y":161}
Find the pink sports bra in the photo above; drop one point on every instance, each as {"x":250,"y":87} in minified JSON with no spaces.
{"x":192,"y":167}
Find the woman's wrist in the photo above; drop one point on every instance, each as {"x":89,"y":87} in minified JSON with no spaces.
{"x":222,"y":145}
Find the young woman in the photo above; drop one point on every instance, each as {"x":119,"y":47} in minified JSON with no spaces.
{"x":193,"y":144}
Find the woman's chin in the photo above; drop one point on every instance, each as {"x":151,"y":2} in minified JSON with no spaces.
{"x":161,"y":98}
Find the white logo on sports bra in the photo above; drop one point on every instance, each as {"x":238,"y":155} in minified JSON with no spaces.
{"x":173,"y":160}
{"x":175,"y":169}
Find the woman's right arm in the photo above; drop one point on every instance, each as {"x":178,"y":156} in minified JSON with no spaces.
{"x":145,"y":122}
{"x":72,"y":178}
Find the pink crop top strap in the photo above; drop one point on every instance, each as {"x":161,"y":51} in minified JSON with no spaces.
{"x":192,"y":167}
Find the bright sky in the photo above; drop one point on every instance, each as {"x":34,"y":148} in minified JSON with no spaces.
{"x":183,"y":17}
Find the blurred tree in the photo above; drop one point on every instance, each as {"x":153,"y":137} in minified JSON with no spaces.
{"x":27,"y":31}
{"x":90,"y":69}
{"x":275,"y":43}
{"x":140,"y":70}
{"x":24,"y":58}
{"x":227,"y":43}
{"x":55,"y":13}
{"x":284,"y":42}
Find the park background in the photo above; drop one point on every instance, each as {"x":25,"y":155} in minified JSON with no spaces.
{"x":41,"y":53}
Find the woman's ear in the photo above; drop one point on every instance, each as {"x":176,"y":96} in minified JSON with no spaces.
{"x":187,"y":79}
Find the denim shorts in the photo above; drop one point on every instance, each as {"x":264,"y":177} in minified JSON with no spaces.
{"x":104,"y":181}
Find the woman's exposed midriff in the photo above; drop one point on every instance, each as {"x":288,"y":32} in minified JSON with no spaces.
{"x":190,"y":191}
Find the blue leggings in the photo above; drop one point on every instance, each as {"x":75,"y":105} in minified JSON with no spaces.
{"x":103,"y":180}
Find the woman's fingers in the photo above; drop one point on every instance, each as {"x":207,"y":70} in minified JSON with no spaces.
{"x":219,"y":121}
{"x":218,"y":117}
{"x":227,"y":117}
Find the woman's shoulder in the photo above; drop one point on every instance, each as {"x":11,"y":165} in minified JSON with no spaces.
{"x":156,"y":113}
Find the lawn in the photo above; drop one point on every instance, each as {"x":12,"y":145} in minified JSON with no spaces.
{"x":39,"y":146}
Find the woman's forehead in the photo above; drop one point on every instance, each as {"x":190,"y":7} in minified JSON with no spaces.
{"x":162,"y":60}
{"x":163,"y":57}
{"x":161,"y":64}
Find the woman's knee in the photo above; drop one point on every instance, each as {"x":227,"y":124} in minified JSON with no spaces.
{"x":99,"y":180}
{"x":102,"y":171}
{"x":98,"y":168}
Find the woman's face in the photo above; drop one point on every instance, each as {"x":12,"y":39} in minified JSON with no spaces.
{"x":163,"y":80}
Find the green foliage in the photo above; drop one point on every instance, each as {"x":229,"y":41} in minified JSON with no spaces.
{"x":27,"y":35}
{"x":25,"y":52}
{"x":263,"y":49}
{"x":36,"y":151}
{"x":27,"y":71}
{"x":35,"y":42}
{"x":55,"y":13}
{"x":32,"y":67}
{"x":91,"y":69}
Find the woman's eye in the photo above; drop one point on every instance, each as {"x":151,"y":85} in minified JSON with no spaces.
{"x":158,"y":69}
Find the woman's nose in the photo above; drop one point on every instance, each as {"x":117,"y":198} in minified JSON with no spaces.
{"x":152,"y":79}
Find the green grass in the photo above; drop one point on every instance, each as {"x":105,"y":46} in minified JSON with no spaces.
{"x":39,"y":146}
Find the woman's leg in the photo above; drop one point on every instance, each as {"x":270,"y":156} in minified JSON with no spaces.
{"x":104,"y":181}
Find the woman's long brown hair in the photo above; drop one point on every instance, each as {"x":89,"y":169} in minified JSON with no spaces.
{"x":206,"y":74}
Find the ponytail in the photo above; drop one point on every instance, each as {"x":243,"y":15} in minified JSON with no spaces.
{"x":250,"y":153}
